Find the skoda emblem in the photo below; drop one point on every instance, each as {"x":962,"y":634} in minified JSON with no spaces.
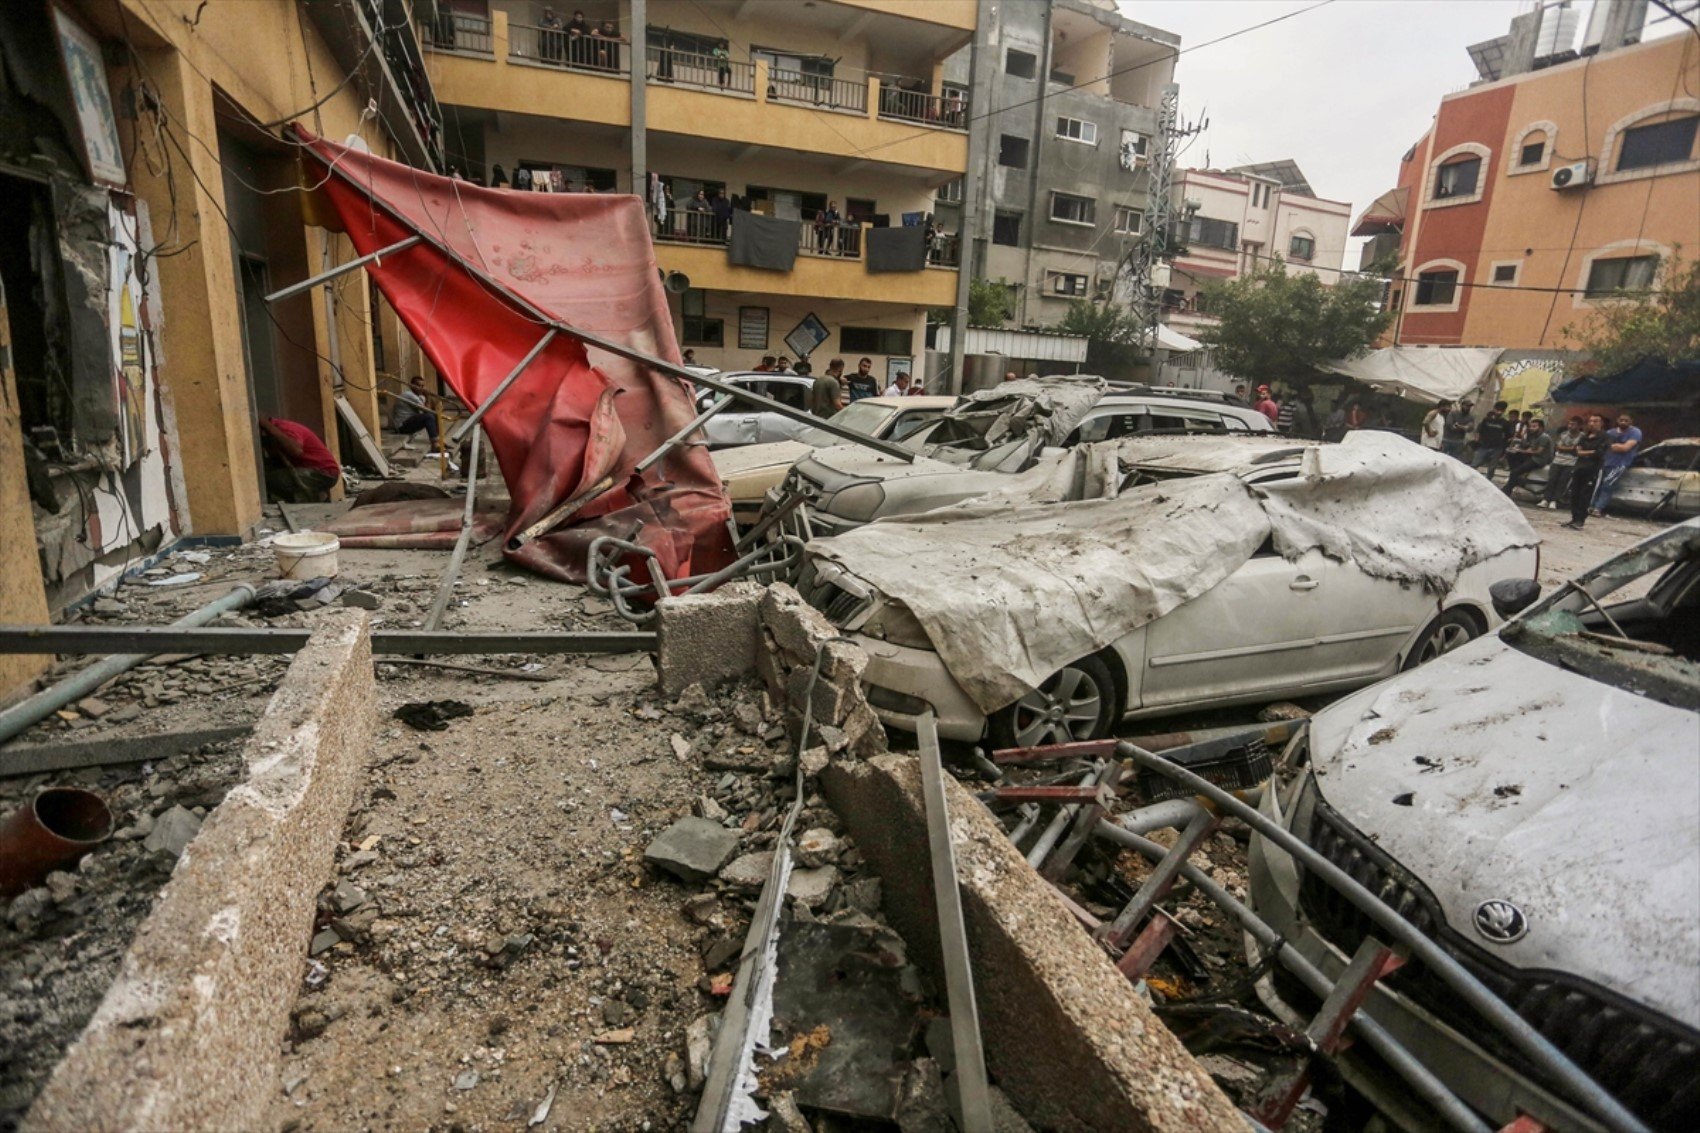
{"x":1501,"y":921}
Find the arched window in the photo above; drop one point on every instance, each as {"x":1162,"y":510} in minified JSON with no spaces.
{"x":1532,"y":149}
{"x":1438,"y":287}
{"x":1654,"y":141}
{"x":1302,"y":245}
{"x":1459,"y":175}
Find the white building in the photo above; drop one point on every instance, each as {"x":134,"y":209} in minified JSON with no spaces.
{"x":1245,"y":218}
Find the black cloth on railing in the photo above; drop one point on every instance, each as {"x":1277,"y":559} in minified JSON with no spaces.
{"x":763,"y":241}
{"x":896,"y":249}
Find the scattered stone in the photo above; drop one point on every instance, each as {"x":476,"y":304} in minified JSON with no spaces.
{"x":361,"y":599}
{"x":692,"y":849}
{"x":699,"y":1044}
{"x":814,"y":761}
{"x":785,"y":1117}
{"x":711,"y":810}
{"x":682,"y":748}
{"x":29,"y":906}
{"x":62,"y":885}
{"x":108,"y":607}
{"x":93,"y":707}
{"x":615,"y":1038}
{"x":702,"y":908}
{"x":432,"y":715}
{"x":673,"y":1072}
{"x":323,"y":941}
{"x":818,"y":847}
{"x":347,"y":897}
{"x":748,"y":872}
{"x":921,"y":1104}
{"x":863,"y":895}
{"x":722,"y":952}
{"x":1230,"y":1071}
{"x":1282,"y":710}
{"x":466,"y":1079}
{"x":748,"y":718}
{"x":172,"y":831}
{"x":616,"y":1013}
{"x":811,"y":887}
{"x":125,"y":714}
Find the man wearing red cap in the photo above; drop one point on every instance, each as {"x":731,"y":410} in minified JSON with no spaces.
{"x":1266,"y":404}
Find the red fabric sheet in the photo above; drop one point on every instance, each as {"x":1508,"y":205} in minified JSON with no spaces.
{"x":573,"y":417}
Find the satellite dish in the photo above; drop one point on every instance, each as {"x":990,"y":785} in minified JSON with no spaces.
{"x":677,"y":281}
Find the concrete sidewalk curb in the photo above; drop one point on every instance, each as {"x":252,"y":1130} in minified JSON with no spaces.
{"x":1066,"y":1036}
{"x":189,"y":1036}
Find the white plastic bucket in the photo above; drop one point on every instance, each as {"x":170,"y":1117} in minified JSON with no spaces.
{"x":306,"y":554}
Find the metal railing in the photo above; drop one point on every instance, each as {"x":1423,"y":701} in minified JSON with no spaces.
{"x":817,"y":90}
{"x":841,"y":240}
{"x":949,"y":111}
{"x":458,"y":31}
{"x":945,"y":251}
{"x":554,"y":47}
{"x":687,"y":226}
{"x":667,"y":65}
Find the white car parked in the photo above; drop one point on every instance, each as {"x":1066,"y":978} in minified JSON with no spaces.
{"x":1531,"y":803}
{"x":1223,"y":571}
{"x":744,"y":424}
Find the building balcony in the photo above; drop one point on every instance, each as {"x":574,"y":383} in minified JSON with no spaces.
{"x":493,"y":63}
{"x":831,"y":263}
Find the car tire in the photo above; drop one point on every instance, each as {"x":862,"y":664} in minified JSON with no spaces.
{"x":1076,"y":703}
{"x":1442,"y":636}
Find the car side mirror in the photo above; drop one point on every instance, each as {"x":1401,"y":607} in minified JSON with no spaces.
{"x":1511,"y":596}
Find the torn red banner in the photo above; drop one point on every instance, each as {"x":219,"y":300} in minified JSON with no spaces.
{"x":575,"y":416}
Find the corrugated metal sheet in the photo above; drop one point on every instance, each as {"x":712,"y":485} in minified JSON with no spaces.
{"x":1033,"y":346}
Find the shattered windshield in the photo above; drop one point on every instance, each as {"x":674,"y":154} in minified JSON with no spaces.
{"x":1648,"y":644}
{"x":861,"y":416}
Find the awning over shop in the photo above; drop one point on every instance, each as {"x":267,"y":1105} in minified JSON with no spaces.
{"x":1421,"y":373}
{"x":1385,"y":214}
{"x":1645,"y":383}
{"x":1168,"y":338}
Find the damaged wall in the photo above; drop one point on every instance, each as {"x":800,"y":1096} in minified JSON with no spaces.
{"x":21,"y":598}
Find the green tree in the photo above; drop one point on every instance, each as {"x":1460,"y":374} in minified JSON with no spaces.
{"x":1662,"y":325}
{"x":1113,"y":336}
{"x":991,"y":303}
{"x":1278,"y":326}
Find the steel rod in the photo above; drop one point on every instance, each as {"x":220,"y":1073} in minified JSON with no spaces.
{"x":341,"y":269}
{"x":1534,"y":1045}
{"x":661,"y":365}
{"x":965,"y":1035}
{"x":673,"y":441}
{"x":78,"y":685}
{"x":153,"y":640}
{"x":484,"y":406}
{"x":1398,"y":1059}
{"x":561,"y":514}
{"x":446,"y":587}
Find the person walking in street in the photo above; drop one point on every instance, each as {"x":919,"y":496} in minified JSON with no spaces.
{"x":1295,"y":418}
{"x":1590,"y":454}
{"x":862,"y":382}
{"x":1266,"y":405}
{"x":826,"y":395}
{"x":1460,"y":423}
{"x":1492,"y":435}
{"x":1563,"y":465}
{"x":1623,"y":442}
{"x":1433,"y":435}
{"x":1529,"y":454}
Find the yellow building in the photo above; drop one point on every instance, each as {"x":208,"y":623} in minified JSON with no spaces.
{"x":788,"y":109}
{"x":150,"y":206}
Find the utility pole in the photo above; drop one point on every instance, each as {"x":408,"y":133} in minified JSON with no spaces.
{"x":1145,"y":298}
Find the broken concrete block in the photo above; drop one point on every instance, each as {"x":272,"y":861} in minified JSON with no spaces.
{"x":347,"y":897}
{"x":692,"y":849}
{"x":323,"y":941}
{"x":811,"y":887}
{"x":361,"y":599}
{"x":921,"y":1105}
{"x":699,"y":1044}
{"x":172,"y":831}
{"x":818,"y":847}
{"x":749,"y":872}
{"x":705,"y":638}
{"x":785,"y":1116}
{"x":796,"y":626}
{"x":93,"y":707}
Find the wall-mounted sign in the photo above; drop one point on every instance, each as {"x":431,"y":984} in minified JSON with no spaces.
{"x":806,"y":336}
{"x":85,"y":71}
{"x":752,"y":328}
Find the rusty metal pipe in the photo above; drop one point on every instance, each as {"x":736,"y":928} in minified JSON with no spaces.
{"x":59,"y":825}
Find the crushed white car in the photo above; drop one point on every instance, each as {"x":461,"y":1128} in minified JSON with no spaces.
{"x":1151,"y":575}
{"x":1531,"y":802}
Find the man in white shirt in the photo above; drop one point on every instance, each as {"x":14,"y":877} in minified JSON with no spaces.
{"x":899,"y":386}
{"x":410,"y":413}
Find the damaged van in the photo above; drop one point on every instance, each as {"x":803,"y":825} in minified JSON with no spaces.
{"x":1530,"y":802}
{"x":1153,"y":575}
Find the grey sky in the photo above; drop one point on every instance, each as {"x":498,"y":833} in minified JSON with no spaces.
{"x":1343,"y":90}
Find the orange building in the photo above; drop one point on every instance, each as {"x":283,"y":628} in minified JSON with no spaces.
{"x":1536,"y":196}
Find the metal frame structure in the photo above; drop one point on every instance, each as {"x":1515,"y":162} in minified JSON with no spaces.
{"x":1136,"y":948}
{"x":153,"y":640}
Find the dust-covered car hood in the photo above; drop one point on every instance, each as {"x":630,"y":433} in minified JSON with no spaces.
{"x":1490,"y":774}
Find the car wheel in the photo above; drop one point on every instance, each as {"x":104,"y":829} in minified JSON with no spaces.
{"x":1077,"y":703}
{"x":1443,"y":635}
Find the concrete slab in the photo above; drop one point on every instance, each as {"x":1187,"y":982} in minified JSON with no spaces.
{"x":189,"y":1036}
{"x":1066,"y":1036}
{"x":707,"y":638}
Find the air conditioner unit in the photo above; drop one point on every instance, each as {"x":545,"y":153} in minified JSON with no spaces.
{"x":1572,"y":176}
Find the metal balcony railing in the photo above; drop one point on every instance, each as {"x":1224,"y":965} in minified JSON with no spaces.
{"x":817,"y":90}
{"x":458,"y":31}
{"x":842,"y":240}
{"x":667,"y":65}
{"x":945,"y":251}
{"x":554,"y":47}
{"x":686,"y":226}
{"x":949,"y":111}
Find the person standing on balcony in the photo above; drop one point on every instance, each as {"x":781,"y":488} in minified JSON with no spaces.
{"x":578,"y":42}
{"x":722,"y":209}
{"x":606,"y":37}
{"x":550,"y":32}
{"x":826,"y":227}
{"x":722,"y":62}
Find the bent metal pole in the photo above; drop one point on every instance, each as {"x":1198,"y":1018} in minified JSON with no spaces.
{"x":78,"y":685}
